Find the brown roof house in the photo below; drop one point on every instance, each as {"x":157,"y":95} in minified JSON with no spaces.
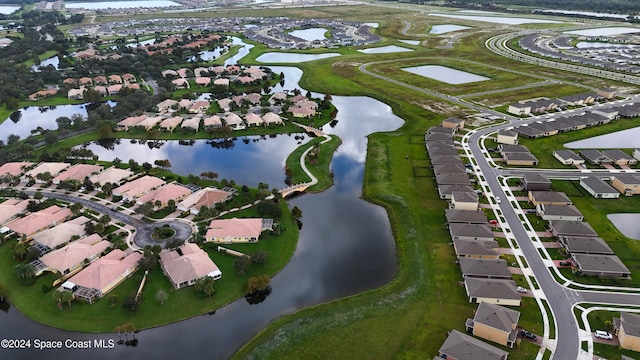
{"x":186,"y":264}
{"x":494,"y":323}
{"x":453,"y":123}
{"x":460,"y":346}
{"x":474,"y":232}
{"x":38,"y":221}
{"x":627,"y":328}
{"x":568,"y":157}
{"x":464,"y":200}
{"x":208,"y":197}
{"x":53,"y":168}
{"x":112,"y":175}
{"x":493,"y":291}
{"x":74,"y":255}
{"x":507,"y":137}
{"x":476,"y":249}
{"x":228,"y":231}
{"x":77,"y":172}
{"x":536,"y":182}
{"x":484,"y":268}
{"x":603,"y":266}
{"x":549,"y":198}
{"x":104,"y":274}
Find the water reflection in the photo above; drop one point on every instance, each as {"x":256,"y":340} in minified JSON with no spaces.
{"x":627,"y":224}
{"x":623,"y":139}
{"x":35,"y":117}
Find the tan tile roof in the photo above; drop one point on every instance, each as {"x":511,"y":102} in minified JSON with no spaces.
{"x":103,"y":274}
{"x":10,"y":208}
{"x":165,"y":193}
{"x":171,"y":123}
{"x":75,"y":253}
{"x":204,"y":197}
{"x":13,"y":168}
{"x":62,"y":233}
{"x":78,"y":172}
{"x":111,"y":175}
{"x":53,"y":168}
{"x":234,"y":228}
{"x":138,"y":187}
{"x":193,"y":264}
{"x":40,"y":220}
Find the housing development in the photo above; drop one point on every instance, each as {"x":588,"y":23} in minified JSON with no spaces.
{"x":331,"y":179}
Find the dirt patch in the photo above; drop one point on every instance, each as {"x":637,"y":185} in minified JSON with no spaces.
{"x":438,"y":107}
{"x":345,"y":64}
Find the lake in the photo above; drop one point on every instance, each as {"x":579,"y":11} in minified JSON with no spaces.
{"x":443,"y":29}
{"x":411,"y":42}
{"x":371,"y":24}
{"x":33,"y":117}
{"x":385,"y":49}
{"x":6,"y":10}
{"x":310,"y":34}
{"x":500,"y":19}
{"x":208,"y":55}
{"x":243,"y":50}
{"x":606,"y":31}
{"x":583,"y":13}
{"x":623,"y":139}
{"x":53,"y":61}
{"x":345,"y":247}
{"x":445,"y":74}
{"x":280,"y":57}
{"x":627,"y":224}
{"x":120,"y":4}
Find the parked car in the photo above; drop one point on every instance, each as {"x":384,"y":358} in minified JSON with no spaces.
{"x":528,"y":335}
{"x":521,"y":289}
{"x":498,"y":200}
{"x":603,"y":335}
{"x":565,"y":263}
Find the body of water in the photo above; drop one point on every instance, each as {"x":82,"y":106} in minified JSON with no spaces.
{"x":411,"y":42}
{"x":310,"y":34}
{"x":445,"y":74}
{"x":345,"y":247}
{"x":623,"y":139}
{"x":120,"y":4}
{"x":6,"y":10}
{"x":598,"y":44}
{"x":53,"y":61}
{"x":35,"y":117}
{"x":242,"y":52}
{"x":500,"y":19}
{"x":280,"y":57}
{"x":208,"y":55}
{"x":371,"y":24}
{"x":583,"y":13}
{"x":443,"y":29}
{"x":385,"y":49}
{"x":627,"y":224}
{"x":606,"y":31}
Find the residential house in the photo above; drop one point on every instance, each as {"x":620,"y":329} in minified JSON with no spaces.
{"x":594,"y":157}
{"x":579,"y":99}
{"x":603,"y":266}
{"x":203,"y":81}
{"x":571,"y":228}
{"x":149,"y":122}
{"x":453,"y":123}
{"x":192,"y":123}
{"x":585,"y":245}
{"x":171,"y":124}
{"x":130,"y":121}
{"x":100,"y":80}
{"x":52,"y":168}
{"x":568,"y":157}
{"x":445,"y":159}
{"x":14,"y":168}
{"x":484,"y":268}
{"x":442,"y":150}
{"x":207,"y":197}
{"x":446,"y":190}
{"x":507,"y":148}
{"x":627,"y":184}
{"x":12,"y":208}
{"x":619,"y":157}
{"x":467,"y":200}
{"x":228,"y":231}
{"x":104,"y":274}
{"x":536,"y":182}
{"x":112,"y":175}
{"x":75,"y":254}
{"x":253,"y":119}
{"x":114,"y":89}
{"x":547,"y":129}
{"x":166,"y":105}
{"x":212,"y":122}
{"x":60,"y":234}
{"x":465,"y":216}
{"x":75,"y":94}
{"x":627,"y":329}
{"x":549,"y":198}
{"x":441,"y":130}
{"x":35,"y":222}
{"x":520,"y":158}
{"x":199,"y":106}
{"x":138,"y":187}
{"x":493,"y":291}
{"x":450,"y":179}
{"x":541,"y":106}
{"x":519,"y":109}
{"x":610,"y":114}
{"x":529,"y":132}
{"x":598,"y":188}
{"x":559,"y":212}
{"x":476,"y":249}
{"x":449,"y":169}
{"x":494,"y":323}
{"x":272,"y":118}
{"x":77,"y":172}
{"x":180,"y":83}
{"x":509,"y":137}
{"x":233,"y":120}
{"x":459,"y":346}
{"x":188,"y":263}
{"x":221,"y":82}
{"x":164,"y":194}
{"x":607,"y":93}
{"x":476,"y":232}
{"x":115,"y":79}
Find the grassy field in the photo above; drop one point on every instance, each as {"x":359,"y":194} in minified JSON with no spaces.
{"x":181,"y":304}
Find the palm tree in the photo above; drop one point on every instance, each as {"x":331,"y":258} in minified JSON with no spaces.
{"x":24,"y":272}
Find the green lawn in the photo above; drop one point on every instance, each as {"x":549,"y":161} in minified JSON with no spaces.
{"x":320,"y":167}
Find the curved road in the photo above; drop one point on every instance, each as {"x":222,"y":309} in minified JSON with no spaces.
{"x":561,"y":299}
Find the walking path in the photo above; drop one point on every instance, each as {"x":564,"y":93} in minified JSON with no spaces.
{"x":314,"y":180}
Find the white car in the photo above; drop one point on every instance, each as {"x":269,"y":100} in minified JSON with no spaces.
{"x":498,"y":200}
{"x":603,"y":335}
{"x":521,"y":289}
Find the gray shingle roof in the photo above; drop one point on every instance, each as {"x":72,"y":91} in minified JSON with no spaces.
{"x":598,"y":186}
{"x":600,"y":263}
{"x":496,"y":316}
{"x":472,"y":247}
{"x":470,"y":230}
{"x":464,"y":347}
{"x":489,"y":268}
{"x":586,"y":245}
{"x":492,"y":288}
{"x":571,"y":228}
{"x":631,"y":323}
{"x":466,"y":216}
{"x":550,"y":197}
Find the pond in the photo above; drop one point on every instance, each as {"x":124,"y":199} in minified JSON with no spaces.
{"x":371,"y":24}
{"x":445,"y":74}
{"x":411,"y":42}
{"x":208,"y":55}
{"x":310,"y":34}
{"x":6,"y":10}
{"x":280,"y":57}
{"x":53,"y":61}
{"x":627,"y":224}
{"x":385,"y":49}
{"x":141,"y":43}
{"x":623,"y":139}
{"x":583,"y":13}
{"x":345,"y":247}
{"x":500,"y":19}
{"x":243,"y":50}
{"x":443,"y":29}
{"x":120,"y":4}
{"x":606,"y":31}
{"x":34,"y":117}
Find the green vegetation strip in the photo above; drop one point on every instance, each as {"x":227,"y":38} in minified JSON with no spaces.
{"x":318,"y":162}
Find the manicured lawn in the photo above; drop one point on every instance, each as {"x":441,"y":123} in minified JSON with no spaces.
{"x":181,"y":304}
{"x":320,"y":167}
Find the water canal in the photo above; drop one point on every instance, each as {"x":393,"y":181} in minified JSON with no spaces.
{"x":345,"y":247}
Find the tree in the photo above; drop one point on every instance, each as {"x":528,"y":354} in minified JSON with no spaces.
{"x":161,"y":296}
{"x":63,"y":296}
{"x":144,"y":209}
{"x":205,"y":285}
{"x":130,"y":303}
{"x":106,"y":188}
{"x":21,"y":250}
{"x":51,"y":138}
{"x":241,"y":264}
{"x":148,"y":261}
{"x":63,"y":122}
{"x":104,"y":219}
{"x":105,"y":132}
{"x":24,"y":272}
{"x":257,"y":283}
{"x":37,"y":195}
{"x":146,"y":166}
{"x":269,"y":209}
{"x":259,"y":257}
{"x":75,"y":208}
{"x":165,"y":164}
{"x":171,"y":204}
{"x":209,"y":175}
{"x":296,"y":212}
